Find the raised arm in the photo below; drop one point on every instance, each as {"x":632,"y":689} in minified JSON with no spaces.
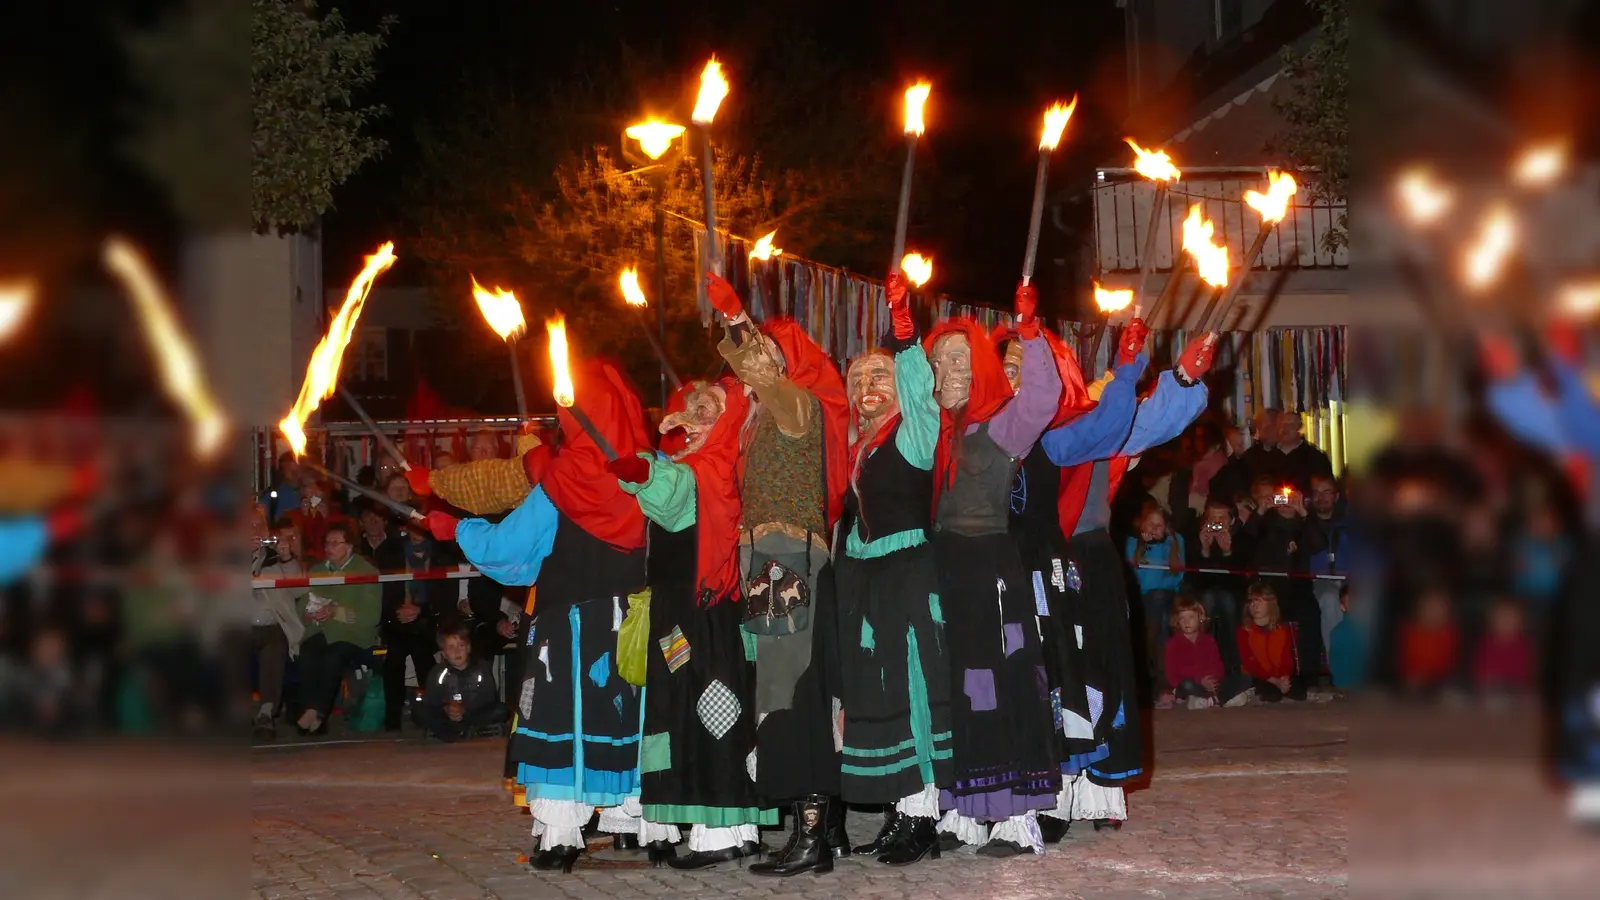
{"x":1164,"y":414}
{"x":1101,"y":432}
{"x":511,"y":551}
{"x":790,"y":404}
{"x":1530,"y":414}
{"x":1024,"y":419}
{"x":667,"y":495}
{"x":919,"y":412}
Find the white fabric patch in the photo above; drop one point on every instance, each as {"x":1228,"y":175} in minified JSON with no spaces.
{"x":650,"y":831}
{"x":750,"y":765}
{"x":923,"y":804}
{"x":616,"y":820}
{"x":1097,"y":704}
{"x":838,"y":726}
{"x":1077,"y":631}
{"x":1063,"y":810}
{"x":1076,"y":726}
{"x":718,"y":708}
{"x":525,"y":701}
{"x":616,"y":613}
{"x":1022,"y":830}
{"x":1040,"y":604}
{"x":1091,"y":801}
{"x":966,"y":829}
{"x":705,"y":838}
{"x":559,"y":821}
{"x":544,"y":658}
{"x":1057,"y":577}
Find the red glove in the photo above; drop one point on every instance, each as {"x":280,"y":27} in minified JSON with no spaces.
{"x":1197,"y":357}
{"x":442,"y":526}
{"x":723,"y":296}
{"x":1132,"y":341}
{"x":417,"y":477}
{"x":1027,"y":302}
{"x":64,"y":523}
{"x":894,"y":290}
{"x":1499,"y":357}
{"x":632,"y":469}
{"x":1566,"y":345}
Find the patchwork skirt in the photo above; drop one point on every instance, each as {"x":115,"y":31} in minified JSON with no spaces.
{"x":796,"y":746}
{"x":1092,"y":635}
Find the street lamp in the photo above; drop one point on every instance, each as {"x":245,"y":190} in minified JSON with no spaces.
{"x":655,"y":139}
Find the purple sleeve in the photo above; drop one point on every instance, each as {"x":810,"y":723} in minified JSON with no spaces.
{"x":1016,"y":428}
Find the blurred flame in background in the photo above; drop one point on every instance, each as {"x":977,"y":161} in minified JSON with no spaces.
{"x":16,"y":301}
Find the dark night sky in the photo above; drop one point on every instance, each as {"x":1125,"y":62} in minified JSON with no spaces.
{"x":994,"y":66}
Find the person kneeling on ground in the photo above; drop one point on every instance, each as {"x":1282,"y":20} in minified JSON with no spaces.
{"x":459,"y":699}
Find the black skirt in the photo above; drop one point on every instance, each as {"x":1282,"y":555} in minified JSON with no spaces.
{"x":892,"y":655}
{"x":1574,"y":670}
{"x":796,"y":754}
{"x":1099,"y":605}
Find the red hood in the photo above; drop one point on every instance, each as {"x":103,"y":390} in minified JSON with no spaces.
{"x":989,"y":394}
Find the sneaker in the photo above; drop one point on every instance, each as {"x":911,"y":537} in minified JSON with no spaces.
{"x":1165,"y":701}
{"x":1201,"y":702}
{"x":1240,"y":699}
{"x":265,"y":728}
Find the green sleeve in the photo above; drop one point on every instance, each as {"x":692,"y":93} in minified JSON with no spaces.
{"x":667,"y":499}
{"x":919,"y":414}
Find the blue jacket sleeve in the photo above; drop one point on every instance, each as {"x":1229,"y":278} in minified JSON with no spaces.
{"x":1165,"y":414}
{"x":512,"y":550}
{"x":1101,"y":432}
{"x":23,"y":542}
{"x":1580,"y":417}
{"x":1530,"y":414}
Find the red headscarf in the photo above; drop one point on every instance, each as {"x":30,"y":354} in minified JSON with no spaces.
{"x":989,"y":394}
{"x":1075,"y":399}
{"x":575,"y":476}
{"x":808,"y":366}
{"x":717,"y":505}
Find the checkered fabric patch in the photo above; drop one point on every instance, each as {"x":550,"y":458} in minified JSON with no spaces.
{"x":675,"y":647}
{"x":1097,"y":705}
{"x":718,"y":708}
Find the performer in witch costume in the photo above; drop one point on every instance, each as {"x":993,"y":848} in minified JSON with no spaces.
{"x":1087,"y":629}
{"x":699,"y":738}
{"x":893,"y":647}
{"x":576,"y":744}
{"x":1004,"y":759}
{"x":791,"y":480}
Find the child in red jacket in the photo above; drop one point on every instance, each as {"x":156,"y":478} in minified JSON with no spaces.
{"x":1194,"y":669}
{"x":1266,"y":647}
{"x":1503,"y":663}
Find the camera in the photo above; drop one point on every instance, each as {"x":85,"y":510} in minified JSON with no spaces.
{"x":1280,"y":499}
{"x":1213,"y":526}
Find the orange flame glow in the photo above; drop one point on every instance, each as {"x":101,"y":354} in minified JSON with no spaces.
{"x":1540,"y":164}
{"x":1490,"y":248}
{"x":764,"y":249}
{"x":181,"y":374}
{"x":655,"y":137}
{"x":1422,"y":197}
{"x":16,"y":300}
{"x":1580,"y":299}
{"x":632,"y":294}
{"x":713,"y":89}
{"x":917,"y":268}
{"x":500,"y":309}
{"x":1274,"y":204}
{"x":322,"y":373}
{"x":1111,"y":301}
{"x":561,"y":375}
{"x":916,"y":96}
{"x":1155,"y":165}
{"x":1055,"y":122}
{"x":1209,"y":258}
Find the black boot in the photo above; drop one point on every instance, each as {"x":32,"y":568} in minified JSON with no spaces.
{"x":1103,"y":824}
{"x":700,"y":859}
{"x":914,"y":837}
{"x":881,"y":842}
{"x":661,"y":853}
{"x":807,"y":849}
{"x":557,"y":858}
{"x":1052,"y":829}
{"x":838,"y":841}
{"x":625,"y":843}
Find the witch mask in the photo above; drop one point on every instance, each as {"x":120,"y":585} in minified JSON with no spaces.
{"x":952,"y":370}
{"x":702,"y":407}
{"x":872,"y":388}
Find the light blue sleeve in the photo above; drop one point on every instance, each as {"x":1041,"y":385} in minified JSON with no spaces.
{"x":1580,"y":417}
{"x":919,"y":413}
{"x":1164,"y":414}
{"x":1101,"y":432}
{"x":512,"y":550}
{"x":668,"y":498}
{"x":23,"y":543}
{"x":1528,"y":413}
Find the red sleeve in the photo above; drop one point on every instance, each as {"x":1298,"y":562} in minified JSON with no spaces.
{"x":1247,"y":659}
{"x":1283,"y":666}
{"x":1211,"y":659}
{"x":1174,"y":657}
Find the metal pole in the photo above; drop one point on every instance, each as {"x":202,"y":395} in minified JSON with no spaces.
{"x":516,"y":380}
{"x":1040,"y":178}
{"x":369,"y":493}
{"x":661,"y":292}
{"x":383,"y":439}
{"x":1147,"y":258}
{"x":707,"y":158}
{"x":1232,"y":291}
{"x":905,"y":204}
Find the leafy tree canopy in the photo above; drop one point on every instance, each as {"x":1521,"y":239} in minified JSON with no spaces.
{"x":1317,"y":108}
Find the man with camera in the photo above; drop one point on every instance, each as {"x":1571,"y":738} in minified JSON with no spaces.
{"x":275,"y":626}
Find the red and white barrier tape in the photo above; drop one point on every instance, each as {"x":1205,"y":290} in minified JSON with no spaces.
{"x":327,"y":580}
{"x":1152,"y":567}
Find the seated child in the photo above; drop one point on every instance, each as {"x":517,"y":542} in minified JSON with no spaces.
{"x":1266,"y":647}
{"x":1430,"y":646}
{"x":459,"y":697}
{"x":1503,"y":663}
{"x":1194,"y":664}
{"x":1347,"y":649}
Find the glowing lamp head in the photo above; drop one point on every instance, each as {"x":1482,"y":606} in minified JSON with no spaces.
{"x":1111,"y":301}
{"x":1423,"y":199}
{"x":713,"y":88}
{"x":500,"y":309}
{"x":1579,"y":299}
{"x":764,"y":249}
{"x":1211,"y":260}
{"x":1490,"y":248}
{"x":1274,"y":204}
{"x":560,"y":373}
{"x":1155,"y":165}
{"x":1055,"y":122}
{"x":632,"y":294}
{"x":655,"y":138}
{"x":916,"y":96}
{"x":1540,"y":164}
{"x":16,"y":298}
{"x":917,"y":268}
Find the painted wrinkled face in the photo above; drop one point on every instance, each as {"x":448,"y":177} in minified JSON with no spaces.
{"x":701,"y":409}
{"x":1013,"y":364}
{"x":952,"y":371}
{"x":872,"y":389}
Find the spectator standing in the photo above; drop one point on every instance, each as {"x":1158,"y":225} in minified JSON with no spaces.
{"x":1347,"y":647}
{"x":1218,"y":544}
{"x":1274,"y":532}
{"x":1263,"y":460}
{"x":407,"y":625}
{"x":342,"y":626}
{"x":275,"y":626}
{"x":1231,"y":481}
{"x":485,"y":444}
{"x":1301,"y":461}
{"x":1323,"y":544}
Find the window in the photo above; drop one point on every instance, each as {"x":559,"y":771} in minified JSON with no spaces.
{"x":1228,"y":16}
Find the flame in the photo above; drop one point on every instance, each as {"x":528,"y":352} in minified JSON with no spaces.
{"x":1155,"y":165}
{"x":655,"y":137}
{"x":500,"y":309}
{"x":1055,"y":122}
{"x":16,"y":299}
{"x":1287,"y":492}
{"x":917,"y":268}
{"x":1490,"y":248}
{"x":713,"y":88}
{"x":764,"y":248}
{"x":632,"y":294}
{"x":1540,"y":164}
{"x":322,"y":373}
{"x":916,"y":96}
{"x":179,"y":363}
{"x":1423,"y":198}
{"x":561,"y":376}
{"x":1111,"y":301}
{"x":1210,"y":259}
{"x":1580,"y":298}
{"x":1274,"y":204}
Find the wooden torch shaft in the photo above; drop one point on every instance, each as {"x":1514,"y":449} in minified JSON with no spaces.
{"x":660,"y":351}
{"x":516,"y":381}
{"x":707,"y":161}
{"x":1237,"y":285}
{"x":905,"y":205}
{"x":383,"y":439}
{"x":1147,"y":255}
{"x":1040,"y":179}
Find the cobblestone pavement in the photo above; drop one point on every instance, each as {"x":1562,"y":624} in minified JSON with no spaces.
{"x":1243,"y":803}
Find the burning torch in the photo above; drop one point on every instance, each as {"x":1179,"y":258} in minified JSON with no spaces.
{"x":1273,"y":206}
{"x":1157,"y":166}
{"x":633,"y":295}
{"x":504,"y":314}
{"x":561,"y":381}
{"x":1210,"y":258}
{"x":916,"y":96}
{"x":1109,"y":303}
{"x":1055,"y":121}
{"x":16,"y":299}
{"x":713,"y":88}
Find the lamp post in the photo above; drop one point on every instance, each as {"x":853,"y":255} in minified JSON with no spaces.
{"x":655,"y":140}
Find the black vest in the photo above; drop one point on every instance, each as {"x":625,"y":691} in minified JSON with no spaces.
{"x":1035,"y":493}
{"x":897,"y":495}
{"x":979,"y":500}
{"x":582,"y":567}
